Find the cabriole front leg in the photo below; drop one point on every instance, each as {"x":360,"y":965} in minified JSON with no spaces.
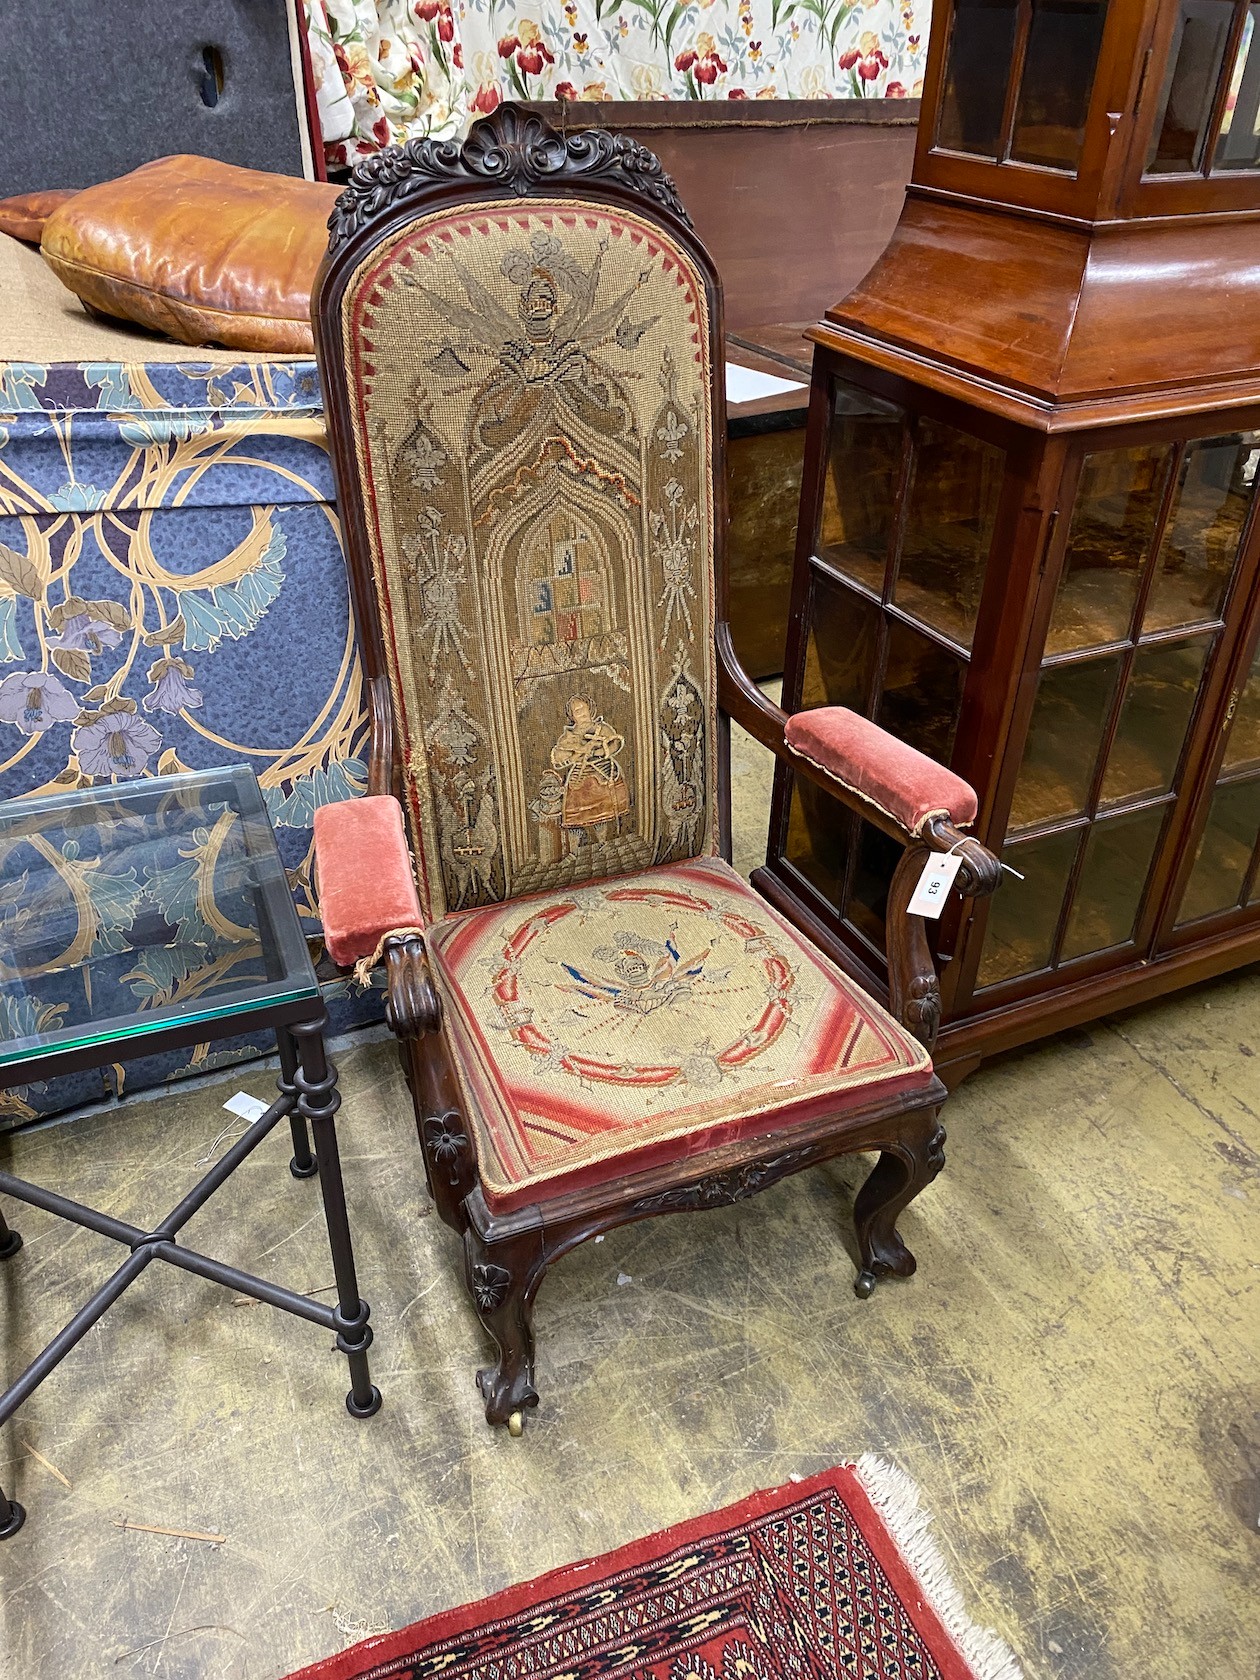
{"x":503,"y":1279}
{"x":905,"y":1167}
{"x":318,"y":1101}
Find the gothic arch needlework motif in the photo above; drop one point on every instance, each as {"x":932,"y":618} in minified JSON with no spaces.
{"x":541,"y":525}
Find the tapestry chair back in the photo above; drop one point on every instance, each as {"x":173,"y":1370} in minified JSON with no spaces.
{"x":529,"y":391}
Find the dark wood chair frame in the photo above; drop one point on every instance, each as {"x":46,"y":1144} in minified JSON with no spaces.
{"x":509,"y":155}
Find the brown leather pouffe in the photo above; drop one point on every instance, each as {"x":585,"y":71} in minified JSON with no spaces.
{"x":24,"y":217}
{"x":199,"y":250}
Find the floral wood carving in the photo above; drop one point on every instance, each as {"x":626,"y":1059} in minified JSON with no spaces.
{"x":512,"y":149}
{"x":446,"y":1141}
{"x":490,"y":1285}
{"x":920,"y":1012}
{"x":722,"y":1189}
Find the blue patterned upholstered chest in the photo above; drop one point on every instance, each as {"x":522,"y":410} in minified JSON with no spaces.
{"x":172,"y":594}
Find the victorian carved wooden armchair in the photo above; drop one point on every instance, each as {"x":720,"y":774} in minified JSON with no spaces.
{"x":521,"y":345}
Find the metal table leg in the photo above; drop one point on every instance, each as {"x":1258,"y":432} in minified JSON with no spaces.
{"x":303,"y":1164}
{"x":308,"y":1087}
{"x":12,"y":1515}
{"x":318,"y":1102}
{"x":10,"y":1240}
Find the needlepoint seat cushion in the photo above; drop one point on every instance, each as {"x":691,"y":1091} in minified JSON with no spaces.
{"x":604,"y":1028}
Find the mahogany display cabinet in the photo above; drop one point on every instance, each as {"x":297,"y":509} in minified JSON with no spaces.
{"x":1028,"y":541}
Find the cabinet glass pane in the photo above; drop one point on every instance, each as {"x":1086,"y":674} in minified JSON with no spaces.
{"x":1023,"y":915}
{"x":1117,"y":860}
{"x":1210,"y":506}
{"x":980,"y":47}
{"x":1194,"y":67}
{"x":819,"y":829}
{"x":949,"y":528}
{"x":1221,"y":862}
{"x":877,"y":858}
{"x":1239,"y":144}
{"x":1154,"y":717}
{"x":1243,"y":745}
{"x":840,"y":651}
{"x":1058,"y":78}
{"x":923,"y":686}
{"x":1071,"y":710}
{"x":1117,"y":504}
{"x":860,"y":489}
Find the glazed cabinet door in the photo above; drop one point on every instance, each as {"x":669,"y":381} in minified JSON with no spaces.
{"x":893,"y":609}
{"x":1218,"y":883}
{"x":1142,"y":625}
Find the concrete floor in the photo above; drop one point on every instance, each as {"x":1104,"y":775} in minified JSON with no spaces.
{"x":1073,"y":1378}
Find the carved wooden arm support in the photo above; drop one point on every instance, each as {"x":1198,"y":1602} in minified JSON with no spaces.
{"x":914,"y":991}
{"x":412,"y":1004}
{"x":898,"y":790}
{"x":383,"y":768}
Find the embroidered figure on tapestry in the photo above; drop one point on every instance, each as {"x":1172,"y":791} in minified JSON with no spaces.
{"x":646,"y":975}
{"x":585,"y":789}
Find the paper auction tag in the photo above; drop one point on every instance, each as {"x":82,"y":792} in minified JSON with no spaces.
{"x":249,"y":1108}
{"x":928,"y":898}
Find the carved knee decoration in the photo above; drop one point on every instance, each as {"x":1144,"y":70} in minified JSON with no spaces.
{"x":503,"y":1278}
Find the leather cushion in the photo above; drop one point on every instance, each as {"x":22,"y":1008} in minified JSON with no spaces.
{"x":24,"y":216}
{"x":199,"y":250}
{"x":898,"y":780}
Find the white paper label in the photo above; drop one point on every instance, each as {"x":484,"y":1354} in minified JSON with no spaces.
{"x":249,"y":1108}
{"x":745,"y":384}
{"x":928,"y":898}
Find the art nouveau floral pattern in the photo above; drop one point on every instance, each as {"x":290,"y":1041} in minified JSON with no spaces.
{"x":389,"y":69}
{"x":173,"y":596}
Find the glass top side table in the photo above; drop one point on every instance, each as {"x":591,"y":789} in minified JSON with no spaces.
{"x":134,"y":911}
{"x":141,"y":917}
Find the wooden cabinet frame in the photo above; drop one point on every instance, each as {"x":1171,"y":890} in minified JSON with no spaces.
{"x":1042,"y":472}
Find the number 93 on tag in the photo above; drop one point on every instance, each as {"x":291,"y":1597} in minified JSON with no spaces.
{"x":932,"y":888}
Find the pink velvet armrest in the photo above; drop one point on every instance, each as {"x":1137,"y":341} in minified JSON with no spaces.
{"x":904,"y":784}
{"x":366,"y":885}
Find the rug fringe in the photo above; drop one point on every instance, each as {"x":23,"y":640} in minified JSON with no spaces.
{"x":896,"y":1498}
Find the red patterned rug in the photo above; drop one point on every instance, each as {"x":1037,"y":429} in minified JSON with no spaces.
{"x":831,"y":1577}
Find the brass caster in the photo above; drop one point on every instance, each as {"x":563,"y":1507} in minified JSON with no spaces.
{"x":864,"y":1285}
{"x":516,"y":1426}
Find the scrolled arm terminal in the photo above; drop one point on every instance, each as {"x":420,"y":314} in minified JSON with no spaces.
{"x":370,"y":906}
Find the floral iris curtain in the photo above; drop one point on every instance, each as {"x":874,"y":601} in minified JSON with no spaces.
{"x":389,"y":69}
